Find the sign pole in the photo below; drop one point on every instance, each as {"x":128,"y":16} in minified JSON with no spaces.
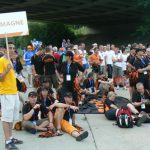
{"x":7,"y":47}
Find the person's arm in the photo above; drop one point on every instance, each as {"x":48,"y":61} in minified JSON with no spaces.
{"x":27,"y":116}
{"x":61,"y":105}
{"x":110,"y":104}
{"x":113,"y":106}
{"x":2,"y":75}
{"x":137,"y":104}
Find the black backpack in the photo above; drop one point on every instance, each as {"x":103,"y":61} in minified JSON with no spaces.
{"x":124,"y":118}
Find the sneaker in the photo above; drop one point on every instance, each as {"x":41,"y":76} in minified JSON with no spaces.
{"x":11,"y":145}
{"x":16,"y":141}
{"x":141,"y":120}
{"x":82,"y":136}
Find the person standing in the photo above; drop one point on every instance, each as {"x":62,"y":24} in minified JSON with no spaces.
{"x":27,"y":59}
{"x":37,"y":66}
{"x":109,"y":61}
{"x":9,"y":101}
{"x":50,"y":67}
{"x":69,"y":70}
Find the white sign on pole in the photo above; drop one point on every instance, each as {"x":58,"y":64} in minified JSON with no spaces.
{"x":13,"y":24}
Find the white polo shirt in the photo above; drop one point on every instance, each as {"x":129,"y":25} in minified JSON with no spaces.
{"x":109,"y":56}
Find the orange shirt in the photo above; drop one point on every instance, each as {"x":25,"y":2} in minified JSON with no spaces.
{"x":94,"y":59}
{"x":78,"y":59}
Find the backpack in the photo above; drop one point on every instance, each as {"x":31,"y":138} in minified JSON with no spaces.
{"x":124,"y":119}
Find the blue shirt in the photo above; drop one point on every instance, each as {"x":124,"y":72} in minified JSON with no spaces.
{"x":27,"y":57}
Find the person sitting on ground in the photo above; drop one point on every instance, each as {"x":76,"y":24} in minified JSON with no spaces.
{"x":64,"y":118}
{"x":89,"y":85}
{"x":46,"y":84}
{"x":141,"y":98}
{"x":112,"y":110}
{"x":104,"y":85}
{"x":31,"y":109}
{"x":46,"y":100}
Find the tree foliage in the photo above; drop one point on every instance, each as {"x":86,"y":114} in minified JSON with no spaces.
{"x":144,"y":28}
{"x":47,"y":33}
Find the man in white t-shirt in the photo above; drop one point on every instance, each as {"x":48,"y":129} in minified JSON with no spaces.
{"x":102,"y":54}
{"x":109,"y":54}
{"x":84,"y":53}
{"x":117,"y":68}
{"x":124,"y":61}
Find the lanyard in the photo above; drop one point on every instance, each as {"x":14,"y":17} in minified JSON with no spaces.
{"x":143,"y":62}
{"x":68,"y":68}
{"x":142,"y":97}
{"x":91,"y":83}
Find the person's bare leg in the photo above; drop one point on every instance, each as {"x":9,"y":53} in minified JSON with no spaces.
{"x":73,"y":119}
{"x":6,"y":129}
{"x":10,"y":129}
{"x":75,"y":134}
{"x":79,"y":136}
{"x":58,"y":117}
{"x":132,"y":109}
{"x":42,"y":127}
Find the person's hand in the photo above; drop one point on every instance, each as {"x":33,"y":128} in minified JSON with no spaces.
{"x":52,"y":106}
{"x":9,"y":66}
{"x":51,"y":126}
{"x":74,"y":108}
{"x":36,"y":106}
{"x":36,"y":75}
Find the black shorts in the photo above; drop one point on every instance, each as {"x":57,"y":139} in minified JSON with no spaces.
{"x":111,"y":114}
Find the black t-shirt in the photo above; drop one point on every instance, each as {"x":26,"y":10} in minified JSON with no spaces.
{"x":72,"y":70}
{"x":131,"y":59}
{"x":46,"y":103}
{"x":27,"y":108}
{"x":68,"y":114}
{"x":89,"y":84}
{"x":140,"y":64}
{"x":108,"y":102}
{"x":38,"y":64}
{"x":49,"y":63}
{"x":136,"y":97}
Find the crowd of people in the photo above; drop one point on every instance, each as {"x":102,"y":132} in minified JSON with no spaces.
{"x":64,"y":77}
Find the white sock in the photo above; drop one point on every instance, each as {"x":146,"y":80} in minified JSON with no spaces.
{"x":8,"y":141}
{"x":11,"y":138}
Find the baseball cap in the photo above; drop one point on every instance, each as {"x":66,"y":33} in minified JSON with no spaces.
{"x":31,"y":94}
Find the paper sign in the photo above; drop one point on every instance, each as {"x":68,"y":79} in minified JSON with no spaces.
{"x":13,"y":24}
